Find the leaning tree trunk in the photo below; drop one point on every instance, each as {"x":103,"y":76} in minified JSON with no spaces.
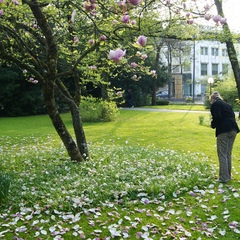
{"x":76,"y":118}
{"x":78,"y":130}
{"x":228,"y":39}
{"x":58,"y":124}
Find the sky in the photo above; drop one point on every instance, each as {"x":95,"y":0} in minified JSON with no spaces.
{"x":231,"y":9}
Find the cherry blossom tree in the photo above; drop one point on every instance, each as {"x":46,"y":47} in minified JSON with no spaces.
{"x":62,"y":44}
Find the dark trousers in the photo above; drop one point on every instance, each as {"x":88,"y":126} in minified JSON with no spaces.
{"x":224,"y":150}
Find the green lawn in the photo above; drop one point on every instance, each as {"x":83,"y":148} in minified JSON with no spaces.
{"x":151,"y":176}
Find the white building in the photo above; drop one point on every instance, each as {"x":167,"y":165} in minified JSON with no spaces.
{"x":202,"y":60}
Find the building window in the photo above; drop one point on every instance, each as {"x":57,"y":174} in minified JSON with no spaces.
{"x":204,"y":69}
{"x":214,"y":69}
{"x":204,"y":51}
{"x":225,"y":69}
{"x":176,"y":69}
{"x":224,"y":53}
{"x":214,"y":51}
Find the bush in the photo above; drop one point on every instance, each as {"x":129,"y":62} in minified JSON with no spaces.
{"x":162,"y":102}
{"x":96,"y":110}
{"x":4,"y":187}
{"x":201,"y":120}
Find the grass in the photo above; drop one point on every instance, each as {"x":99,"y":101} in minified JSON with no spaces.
{"x":180,"y":106}
{"x":151,"y":176}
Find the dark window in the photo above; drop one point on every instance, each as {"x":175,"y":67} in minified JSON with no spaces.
{"x":214,"y":69}
{"x":204,"y":69}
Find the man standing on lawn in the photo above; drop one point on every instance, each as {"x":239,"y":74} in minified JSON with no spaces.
{"x":224,"y":121}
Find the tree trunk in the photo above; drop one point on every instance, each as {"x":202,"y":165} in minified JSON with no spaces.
{"x":154,"y":88}
{"x":230,"y":49}
{"x":58,"y":124}
{"x":76,"y":118}
{"x":228,"y":39}
{"x":78,"y":130}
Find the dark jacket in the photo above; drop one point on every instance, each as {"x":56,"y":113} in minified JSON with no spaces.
{"x":223,"y":117}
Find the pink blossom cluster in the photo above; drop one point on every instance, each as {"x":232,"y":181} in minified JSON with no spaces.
{"x":142,"y":55}
{"x":142,"y":40}
{"x":116,"y":55}
{"x":102,"y":38}
{"x":93,"y":67}
{"x":219,"y":20}
{"x":32,"y":80}
{"x":90,"y":6}
{"x":126,"y":19}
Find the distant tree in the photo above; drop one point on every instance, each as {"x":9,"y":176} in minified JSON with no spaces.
{"x":18,"y":97}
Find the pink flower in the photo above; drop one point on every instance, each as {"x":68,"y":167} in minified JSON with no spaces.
{"x":116,"y":55}
{"x":93,"y":67}
{"x":1,"y":12}
{"x":207,"y":17}
{"x":139,"y":234}
{"x":153,"y":72}
{"x":190,"y":21}
{"x":133,"y":22}
{"x":103,"y":38}
{"x":207,"y":7}
{"x":134,"y":65}
{"x":15,"y":2}
{"x":119,"y":94}
{"x":32,"y":80}
{"x":125,"y":19}
{"x":142,"y":40}
{"x":134,"y":77}
{"x":138,"y":53}
{"x":216,"y":18}
{"x":223,"y":21}
{"x":135,"y":2}
{"x":88,"y":6}
{"x":91,"y":41}
{"x":76,"y":40}
{"x":144,"y":56}
{"x":168,"y":2}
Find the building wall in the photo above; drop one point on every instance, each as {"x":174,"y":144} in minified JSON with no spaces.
{"x":211,"y":53}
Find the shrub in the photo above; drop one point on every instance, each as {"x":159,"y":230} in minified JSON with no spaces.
{"x":96,"y":110}
{"x":4,"y":187}
{"x":189,"y":99}
{"x":201,"y":120}
{"x":162,"y":102}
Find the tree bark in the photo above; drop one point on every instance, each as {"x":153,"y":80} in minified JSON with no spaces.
{"x":154,"y":88}
{"x":58,"y":124}
{"x":76,"y":118}
{"x":49,"y":89}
